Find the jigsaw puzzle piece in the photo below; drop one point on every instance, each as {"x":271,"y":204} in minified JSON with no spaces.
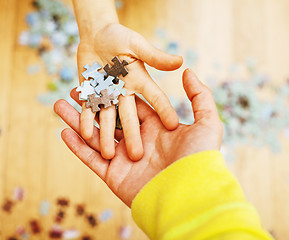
{"x":95,"y":101}
{"x":98,"y":78}
{"x":117,"y":69}
{"x":91,"y":72}
{"x":107,"y":98}
{"x":104,"y":84}
{"x":118,"y":89}
{"x":85,"y":90}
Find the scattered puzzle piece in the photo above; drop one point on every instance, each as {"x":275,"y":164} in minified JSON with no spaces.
{"x":71,"y":234}
{"x":55,"y":232}
{"x":7,"y":206}
{"x":18,"y":194}
{"x":44,"y":208}
{"x":63,"y":202}
{"x":91,"y":72}
{"x":117,"y":69}
{"x":35,"y":227}
{"x":91,"y":220}
{"x":85,"y":90}
{"x":20,"y":230}
{"x":80,"y":209}
{"x":125,"y":232}
{"x":105,"y":215}
{"x":60,"y":216}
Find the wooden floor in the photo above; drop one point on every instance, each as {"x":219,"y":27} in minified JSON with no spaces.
{"x":33,"y":156}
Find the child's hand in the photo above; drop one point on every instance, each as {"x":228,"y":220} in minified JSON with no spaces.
{"x":162,"y":147}
{"x":117,"y":40}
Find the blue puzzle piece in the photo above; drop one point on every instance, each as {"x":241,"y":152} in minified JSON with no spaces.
{"x":105,"y":215}
{"x":44,"y":208}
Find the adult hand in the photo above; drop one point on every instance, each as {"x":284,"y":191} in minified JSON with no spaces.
{"x":112,"y":40}
{"x":161,"y":147}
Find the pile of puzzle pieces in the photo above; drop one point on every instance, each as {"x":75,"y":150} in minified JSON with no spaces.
{"x":60,"y":211}
{"x":102,"y":88}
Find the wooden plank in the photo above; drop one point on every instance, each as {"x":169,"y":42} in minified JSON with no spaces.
{"x":37,"y":160}
{"x":7,"y":22}
{"x":33,"y":156}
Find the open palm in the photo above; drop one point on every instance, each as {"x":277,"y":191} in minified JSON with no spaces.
{"x":117,"y":40}
{"x":161,"y":146}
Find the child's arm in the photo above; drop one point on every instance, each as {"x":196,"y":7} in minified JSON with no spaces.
{"x":92,"y":15}
{"x":192,"y":198}
{"x":102,"y":38}
{"x":196,"y":198}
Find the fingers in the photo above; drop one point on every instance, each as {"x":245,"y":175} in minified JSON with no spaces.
{"x":152,"y":93}
{"x":71,"y":117}
{"x":87,"y":155}
{"x":130,"y":125}
{"x":153,"y":56}
{"x":202,"y":99}
{"x":158,"y":99}
{"x":143,"y":110}
{"x":75,"y":96}
{"x":107,"y":118}
{"x":160,"y":102}
{"x":86,"y":123}
{"x":68,"y":113}
{"x":85,"y":56}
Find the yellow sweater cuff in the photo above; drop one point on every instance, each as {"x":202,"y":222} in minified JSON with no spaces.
{"x":194,"y":198}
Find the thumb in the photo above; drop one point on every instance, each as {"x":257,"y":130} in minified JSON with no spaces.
{"x":202,"y":99}
{"x":153,"y":56}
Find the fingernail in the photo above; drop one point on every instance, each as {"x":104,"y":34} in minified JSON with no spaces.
{"x":191,"y":71}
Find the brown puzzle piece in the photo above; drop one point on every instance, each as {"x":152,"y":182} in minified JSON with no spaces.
{"x":95,"y":101}
{"x":117,"y":69}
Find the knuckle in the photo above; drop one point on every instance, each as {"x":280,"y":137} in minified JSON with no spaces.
{"x":156,"y":100}
{"x":90,"y":158}
{"x":128,"y":119}
{"x":140,"y":88}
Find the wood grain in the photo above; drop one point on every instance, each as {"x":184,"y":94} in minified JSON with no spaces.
{"x":33,"y":156}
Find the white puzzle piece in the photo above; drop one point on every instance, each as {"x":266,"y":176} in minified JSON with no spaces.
{"x":104,"y":84}
{"x":91,"y":72}
{"x":85,"y":90}
{"x":118,"y":89}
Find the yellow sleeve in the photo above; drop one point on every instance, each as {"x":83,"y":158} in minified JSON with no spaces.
{"x":196,"y":198}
